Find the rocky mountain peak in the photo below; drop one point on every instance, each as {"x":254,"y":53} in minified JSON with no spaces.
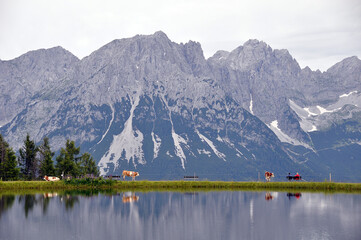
{"x":255,"y":54}
{"x":348,"y":64}
{"x":30,"y":74}
{"x":138,"y":49}
{"x":195,"y":58}
{"x":161,"y":35}
{"x":46,"y":56}
{"x":221,"y":54}
{"x":307,"y":69}
{"x":283,"y":54}
{"x":149,"y":103}
{"x":254,"y":43}
{"x":138,"y":64}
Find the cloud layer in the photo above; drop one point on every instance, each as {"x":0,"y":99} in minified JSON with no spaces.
{"x":317,"y":33}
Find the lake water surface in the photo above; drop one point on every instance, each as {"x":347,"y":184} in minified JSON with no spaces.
{"x":174,"y":215}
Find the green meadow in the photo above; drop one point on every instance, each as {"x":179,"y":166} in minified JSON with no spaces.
{"x":179,"y":186}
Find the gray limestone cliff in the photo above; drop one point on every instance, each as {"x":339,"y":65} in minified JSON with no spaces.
{"x":147,"y":102}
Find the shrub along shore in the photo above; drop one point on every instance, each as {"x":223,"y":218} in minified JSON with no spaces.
{"x":179,"y":185}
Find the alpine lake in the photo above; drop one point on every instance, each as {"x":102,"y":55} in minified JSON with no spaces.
{"x":158,"y":215}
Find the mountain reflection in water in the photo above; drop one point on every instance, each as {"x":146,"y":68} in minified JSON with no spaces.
{"x":172,"y":215}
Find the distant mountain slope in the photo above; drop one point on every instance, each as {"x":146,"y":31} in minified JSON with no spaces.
{"x":33,"y":73}
{"x":150,"y":104}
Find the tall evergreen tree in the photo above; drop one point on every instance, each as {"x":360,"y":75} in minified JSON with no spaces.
{"x":70,"y":163}
{"x":28,"y":160}
{"x":88,"y":165}
{"x":3,"y":146}
{"x":11,"y":172}
{"x":8,"y":163}
{"x":67,"y":161}
{"x":46,"y":159}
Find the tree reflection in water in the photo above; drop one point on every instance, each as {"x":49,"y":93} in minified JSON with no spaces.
{"x":177,"y":215}
{"x":69,"y":201}
{"x":6,"y":202}
{"x":69,"y":198}
{"x":29,"y":202}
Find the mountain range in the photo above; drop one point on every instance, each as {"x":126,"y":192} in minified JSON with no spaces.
{"x":158,"y":107}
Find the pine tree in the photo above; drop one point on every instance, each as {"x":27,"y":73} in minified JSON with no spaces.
{"x":11,"y":172}
{"x":67,"y":162}
{"x":8,"y":163}
{"x":88,"y":165}
{"x":28,"y":160}
{"x":3,"y":146}
{"x":46,"y":159}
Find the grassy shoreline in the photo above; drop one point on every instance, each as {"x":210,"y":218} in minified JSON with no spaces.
{"x":184,"y":186}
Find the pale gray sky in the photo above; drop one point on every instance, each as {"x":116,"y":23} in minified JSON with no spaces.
{"x":318,"y":33}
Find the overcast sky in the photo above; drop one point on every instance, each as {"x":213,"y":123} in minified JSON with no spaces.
{"x":317,"y":33}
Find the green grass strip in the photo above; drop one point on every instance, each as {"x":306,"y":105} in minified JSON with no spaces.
{"x":182,"y":185}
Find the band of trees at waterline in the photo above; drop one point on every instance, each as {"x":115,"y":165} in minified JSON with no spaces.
{"x":34,"y":162}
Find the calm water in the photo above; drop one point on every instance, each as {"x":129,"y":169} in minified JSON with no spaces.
{"x":170,"y":215}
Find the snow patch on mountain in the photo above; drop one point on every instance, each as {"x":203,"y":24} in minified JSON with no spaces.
{"x":156,"y":144}
{"x":318,"y":110}
{"x":307,"y":119}
{"x":203,"y":151}
{"x":347,"y":94}
{"x":177,"y":139}
{"x":178,"y":149}
{"x":239,"y":153}
{"x":352,"y":98}
{"x":128,"y":142}
{"x":324,"y":110}
{"x":315,"y":117}
{"x":314,"y":128}
{"x":251,"y":105}
{"x":110,"y":124}
{"x":309,"y":112}
{"x":284,"y":137}
{"x":168,"y":153}
{"x":211,"y":145}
